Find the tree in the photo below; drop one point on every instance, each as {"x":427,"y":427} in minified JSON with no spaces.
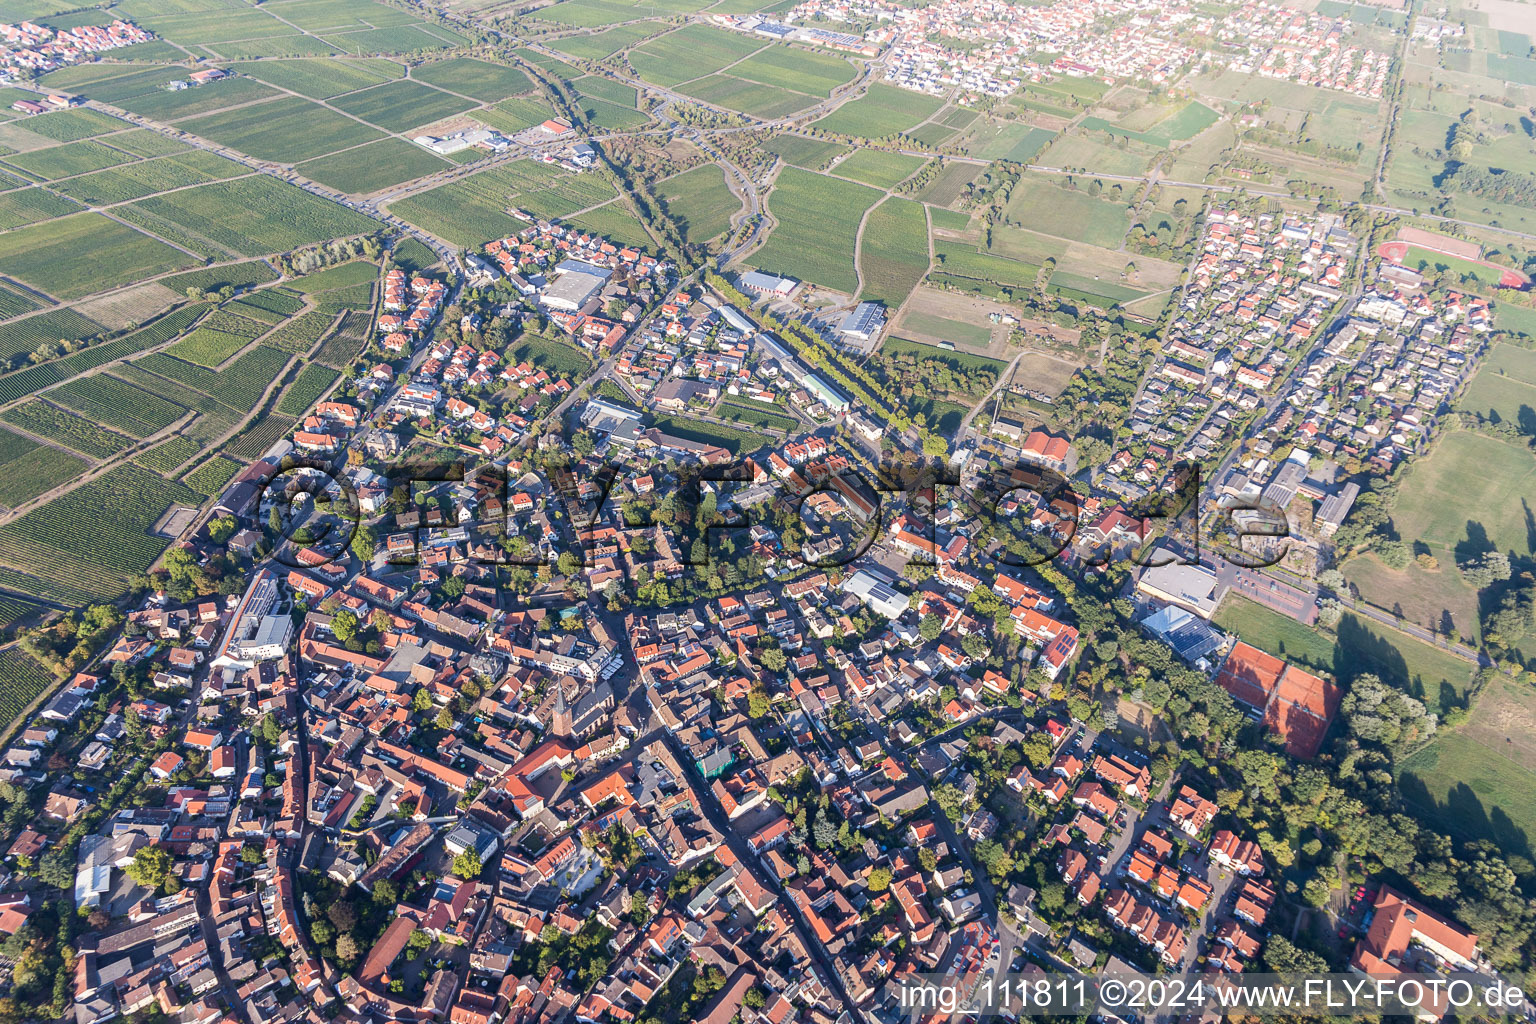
{"x":568,"y":564}
{"x":824,"y":832}
{"x":879,"y":879}
{"x":364,"y":544}
{"x":385,"y":893}
{"x":342,"y":914}
{"x":222,"y":528}
{"x":930,"y":626}
{"x":271,"y":732}
{"x":251,"y":854}
{"x":422,"y":701}
{"x":774,"y":660}
{"x":346,"y":949}
{"x":445,"y":719}
{"x":467,"y":865}
{"x":344,"y":625}
{"x":757,"y":702}
{"x":150,"y":866}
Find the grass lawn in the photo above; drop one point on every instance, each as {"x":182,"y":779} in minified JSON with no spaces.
{"x":883,"y":110}
{"x":878,"y":168}
{"x":1435,"y":600}
{"x":1519,"y":319}
{"x":83,"y":254}
{"x":1504,"y":388}
{"x":1474,"y":788}
{"x":818,"y":224}
{"x":1494,"y":484}
{"x":959,"y":331}
{"x":372,"y":167}
{"x":893,"y":254}
{"x":1067,"y":213}
{"x":1438,"y":678}
{"x":700,"y":202}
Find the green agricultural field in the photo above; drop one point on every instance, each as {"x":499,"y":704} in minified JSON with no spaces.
{"x":212,"y":26}
{"x":148,"y":96}
{"x":343,"y":275}
{"x":693,"y":51}
{"x":965,"y":362}
{"x":883,"y":110}
{"x":757,"y":414}
{"x":1504,"y":388}
{"x":700,"y":202}
{"x":373,"y":167}
{"x":72,"y":125}
{"x":211,"y":476}
{"x":63,"y":161}
{"x":878,"y":168}
{"x":219,"y":336}
{"x":764,"y":101}
{"x":962,"y":261}
{"x":812,"y":154}
{"x":106,"y":400}
{"x":787,"y":67}
{"x":285,"y":130}
{"x":558,"y":357}
{"x":615,"y":223}
{"x":893,"y":252}
{"x":306,"y":389}
{"x":22,"y":678}
{"x":169,"y":455}
{"x":471,"y":211}
{"x":97,"y":536}
{"x":1472,"y":787}
{"x":145,"y":143}
{"x":818,"y":224}
{"x":947,"y":186}
{"x":1053,"y":210}
{"x":134,"y":181}
{"x":252,"y":216}
{"x":732,"y":439}
{"x":83,"y":254}
{"x":513,"y":115}
{"x":28,"y":469}
{"x":401,"y":106}
{"x":74,"y":432}
{"x":14,"y":302}
{"x":1008,"y":140}
{"x":28,"y":206}
{"x":235,"y":275}
{"x":1191,"y":119}
{"x":604,"y":44}
{"x":473,"y":78}
{"x":321,"y":78}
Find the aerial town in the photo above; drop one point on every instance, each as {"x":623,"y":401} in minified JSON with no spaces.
{"x":579,"y":513}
